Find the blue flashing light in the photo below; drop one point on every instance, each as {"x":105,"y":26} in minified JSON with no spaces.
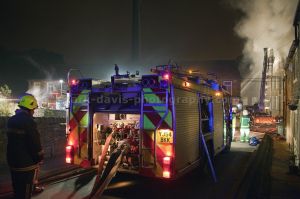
{"x":163,"y":83}
{"x":214,"y":85}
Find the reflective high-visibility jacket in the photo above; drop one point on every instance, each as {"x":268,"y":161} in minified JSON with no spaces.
{"x":233,"y":120}
{"x":245,"y":121}
{"x":24,"y":150}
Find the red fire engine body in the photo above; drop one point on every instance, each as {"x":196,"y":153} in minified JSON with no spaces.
{"x":161,"y":116}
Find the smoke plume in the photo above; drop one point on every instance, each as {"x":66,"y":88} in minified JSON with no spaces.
{"x":39,"y":92}
{"x":265,"y":24}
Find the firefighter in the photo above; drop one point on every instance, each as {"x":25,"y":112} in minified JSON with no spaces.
{"x":244,"y":122}
{"x":233,"y":123}
{"x":24,"y":150}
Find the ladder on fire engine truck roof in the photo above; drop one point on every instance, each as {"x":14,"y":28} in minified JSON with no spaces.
{"x":179,"y":71}
{"x":189,"y":78}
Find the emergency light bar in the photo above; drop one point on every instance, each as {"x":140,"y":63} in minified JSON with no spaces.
{"x":166,"y":76}
{"x":150,"y":81}
{"x":73,"y":82}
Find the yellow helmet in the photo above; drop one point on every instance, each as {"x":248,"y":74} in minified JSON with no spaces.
{"x":28,"y":101}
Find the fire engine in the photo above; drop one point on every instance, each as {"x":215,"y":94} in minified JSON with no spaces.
{"x":162,"y":117}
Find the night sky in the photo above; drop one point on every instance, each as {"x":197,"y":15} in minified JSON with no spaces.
{"x":44,"y":38}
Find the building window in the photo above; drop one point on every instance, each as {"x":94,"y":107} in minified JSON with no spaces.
{"x":37,"y":84}
{"x":277,"y":103}
{"x":277,"y":81}
{"x":228,"y":86}
{"x":273,"y":98}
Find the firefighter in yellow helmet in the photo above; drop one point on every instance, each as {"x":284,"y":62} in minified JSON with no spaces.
{"x":24,"y":150}
{"x":245,"y":126}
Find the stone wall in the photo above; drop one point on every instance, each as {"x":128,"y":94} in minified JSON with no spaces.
{"x":3,"y":121}
{"x":52,"y":132}
{"x":40,"y":112}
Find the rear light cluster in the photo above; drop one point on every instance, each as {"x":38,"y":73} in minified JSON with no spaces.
{"x":167,"y":167}
{"x":69,"y":154}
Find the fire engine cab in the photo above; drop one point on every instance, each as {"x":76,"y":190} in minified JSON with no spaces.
{"x":161,"y":116}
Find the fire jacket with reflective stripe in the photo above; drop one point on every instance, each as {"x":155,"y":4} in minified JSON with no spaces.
{"x":24,"y":149}
{"x":245,"y":122}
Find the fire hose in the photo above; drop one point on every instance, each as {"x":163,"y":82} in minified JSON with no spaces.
{"x":104,"y":178}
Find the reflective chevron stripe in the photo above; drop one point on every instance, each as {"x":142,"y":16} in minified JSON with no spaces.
{"x":78,"y":125}
{"x":155,"y":113}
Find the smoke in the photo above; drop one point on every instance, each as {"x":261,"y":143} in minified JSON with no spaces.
{"x":38,"y":91}
{"x":265,"y":24}
{"x":39,"y":67}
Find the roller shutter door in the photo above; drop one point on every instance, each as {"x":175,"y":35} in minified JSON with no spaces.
{"x":187,"y":128}
{"x":218,"y":125}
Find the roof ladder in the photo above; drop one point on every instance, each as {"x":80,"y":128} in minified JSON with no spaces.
{"x":162,"y":108}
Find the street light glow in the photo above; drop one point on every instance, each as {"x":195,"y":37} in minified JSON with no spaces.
{"x":61,"y":81}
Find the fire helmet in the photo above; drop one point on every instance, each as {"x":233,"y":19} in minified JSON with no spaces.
{"x":28,"y":101}
{"x":253,"y":141}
